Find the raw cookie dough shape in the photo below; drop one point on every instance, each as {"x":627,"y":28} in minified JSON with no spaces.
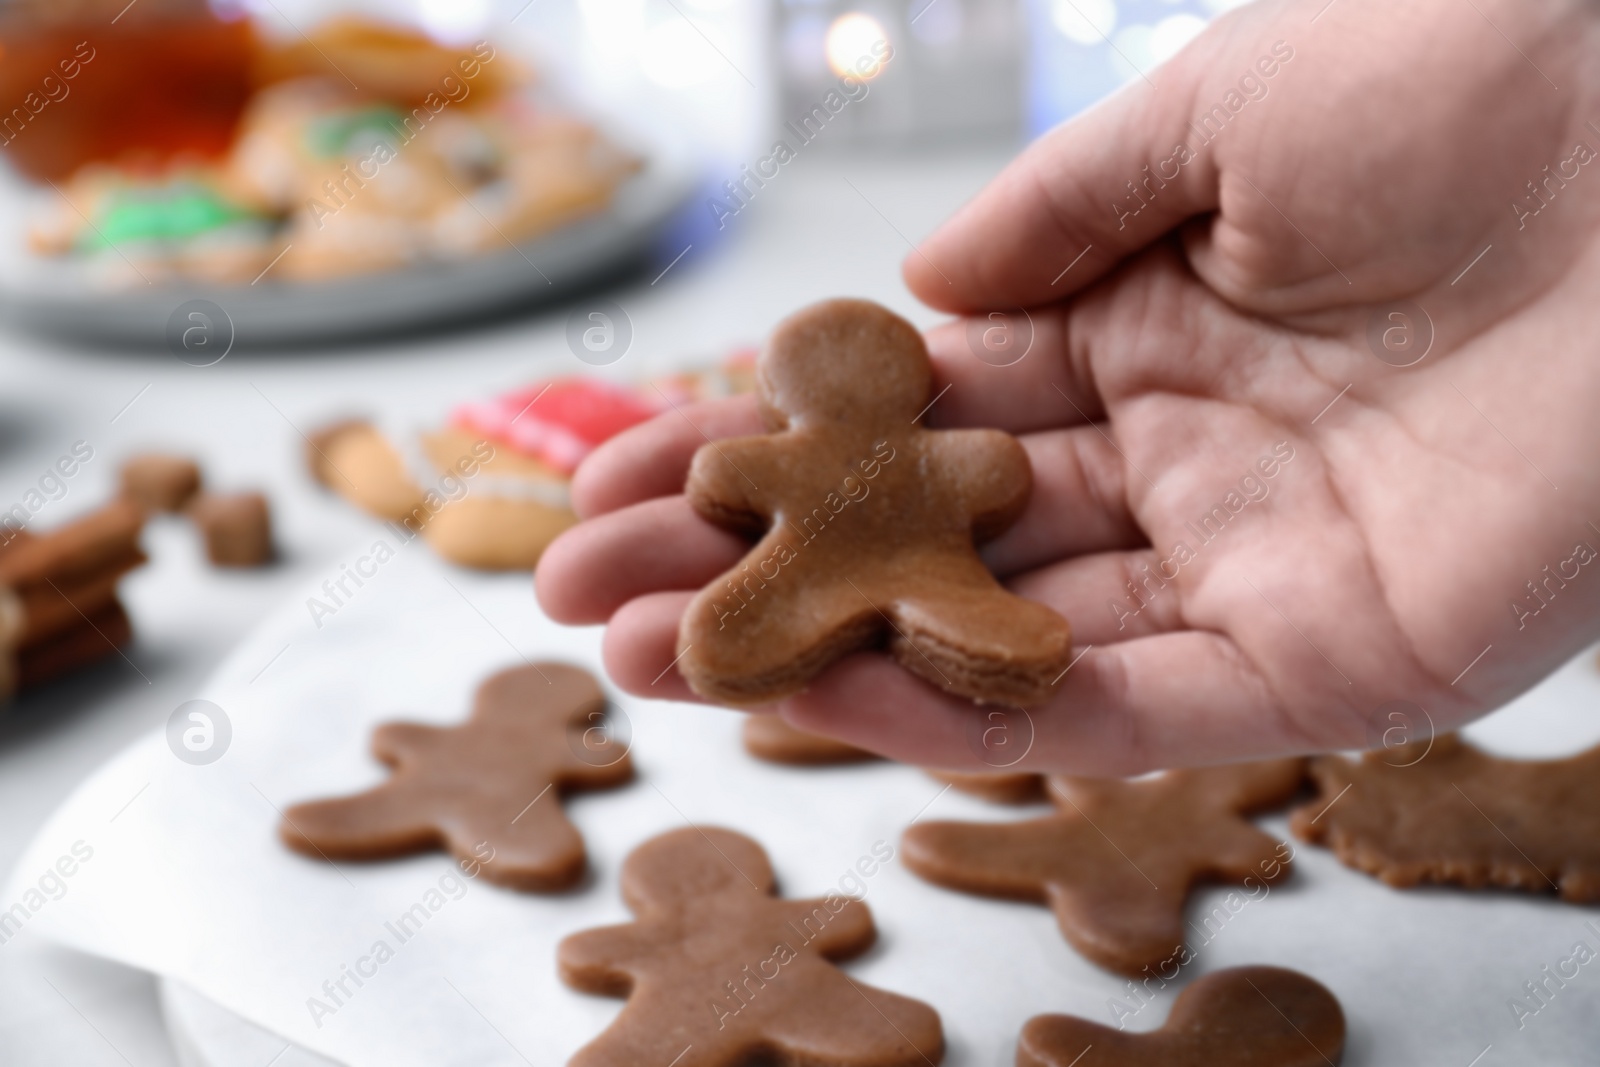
{"x":1456,"y":814}
{"x":769,"y":739}
{"x":720,"y":972}
{"x":1116,"y":862}
{"x":772,"y":740}
{"x":1240,"y":1017}
{"x":485,"y":781}
{"x":867,"y":523}
{"x":997,"y":787}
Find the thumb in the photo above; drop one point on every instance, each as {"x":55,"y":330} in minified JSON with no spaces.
{"x":1090,"y":192}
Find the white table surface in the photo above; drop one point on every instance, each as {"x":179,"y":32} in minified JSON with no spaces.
{"x":832,"y":225}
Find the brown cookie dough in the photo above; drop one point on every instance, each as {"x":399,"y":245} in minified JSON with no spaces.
{"x":478,"y":790}
{"x":237,"y":528}
{"x":97,"y":637}
{"x":867,"y":522}
{"x":1117,"y":860}
{"x":58,"y":595}
{"x":1240,"y":1017}
{"x":159,"y":482}
{"x":997,"y":787}
{"x":769,"y":738}
{"x":1443,"y":811}
{"x":720,"y":972}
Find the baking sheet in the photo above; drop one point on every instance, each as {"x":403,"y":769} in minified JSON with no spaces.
{"x":187,"y":878}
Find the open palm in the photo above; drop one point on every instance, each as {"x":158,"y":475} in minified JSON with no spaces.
{"x":1263,"y":527}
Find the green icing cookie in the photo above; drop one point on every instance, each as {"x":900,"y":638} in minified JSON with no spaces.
{"x":330,"y":136}
{"x":174,"y":212}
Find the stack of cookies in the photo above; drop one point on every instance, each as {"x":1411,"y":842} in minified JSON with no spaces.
{"x":58,"y":595}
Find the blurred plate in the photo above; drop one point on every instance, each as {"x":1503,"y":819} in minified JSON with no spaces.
{"x":59,"y":297}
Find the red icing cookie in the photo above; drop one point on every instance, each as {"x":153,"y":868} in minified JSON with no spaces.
{"x":558,"y":422}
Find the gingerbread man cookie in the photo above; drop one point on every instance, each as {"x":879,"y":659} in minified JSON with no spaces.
{"x":719,"y":972}
{"x":771,"y":739}
{"x":997,"y":787}
{"x":1443,"y":811}
{"x":1116,"y":862}
{"x":1240,"y":1017}
{"x":867,"y":522}
{"x":483,"y":783}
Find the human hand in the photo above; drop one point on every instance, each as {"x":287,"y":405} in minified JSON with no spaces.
{"x":1225,"y":323}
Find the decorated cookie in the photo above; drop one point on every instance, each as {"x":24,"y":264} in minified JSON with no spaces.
{"x":866,"y":523}
{"x":364,"y":147}
{"x":720,"y":972}
{"x":557,"y":423}
{"x":1240,"y":1017}
{"x":362,"y":184}
{"x":552,"y":170}
{"x":735,"y":374}
{"x":490,"y":488}
{"x":133,"y":226}
{"x":486,"y":505}
{"x":1442,"y":811}
{"x":491,"y":787}
{"x":1117,"y":860}
{"x":355,"y":459}
{"x":389,"y":61}
{"x":479,"y":505}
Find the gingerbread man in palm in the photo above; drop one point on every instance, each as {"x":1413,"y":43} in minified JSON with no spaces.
{"x":867,"y":522}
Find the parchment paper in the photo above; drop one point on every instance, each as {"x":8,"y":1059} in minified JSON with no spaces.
{"x":187,"y":878}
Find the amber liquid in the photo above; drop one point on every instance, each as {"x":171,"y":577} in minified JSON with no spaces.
{"x":154,"y":89}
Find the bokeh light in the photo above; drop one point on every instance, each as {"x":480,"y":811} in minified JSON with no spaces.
{"x":850,"y":40}
{"x":1084,"y":21}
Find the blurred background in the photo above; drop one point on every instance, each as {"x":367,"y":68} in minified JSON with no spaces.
{"x":183,"y":146}
{"x":266,"y":266}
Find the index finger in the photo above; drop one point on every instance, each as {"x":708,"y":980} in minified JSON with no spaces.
{"x":652,"y":459}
